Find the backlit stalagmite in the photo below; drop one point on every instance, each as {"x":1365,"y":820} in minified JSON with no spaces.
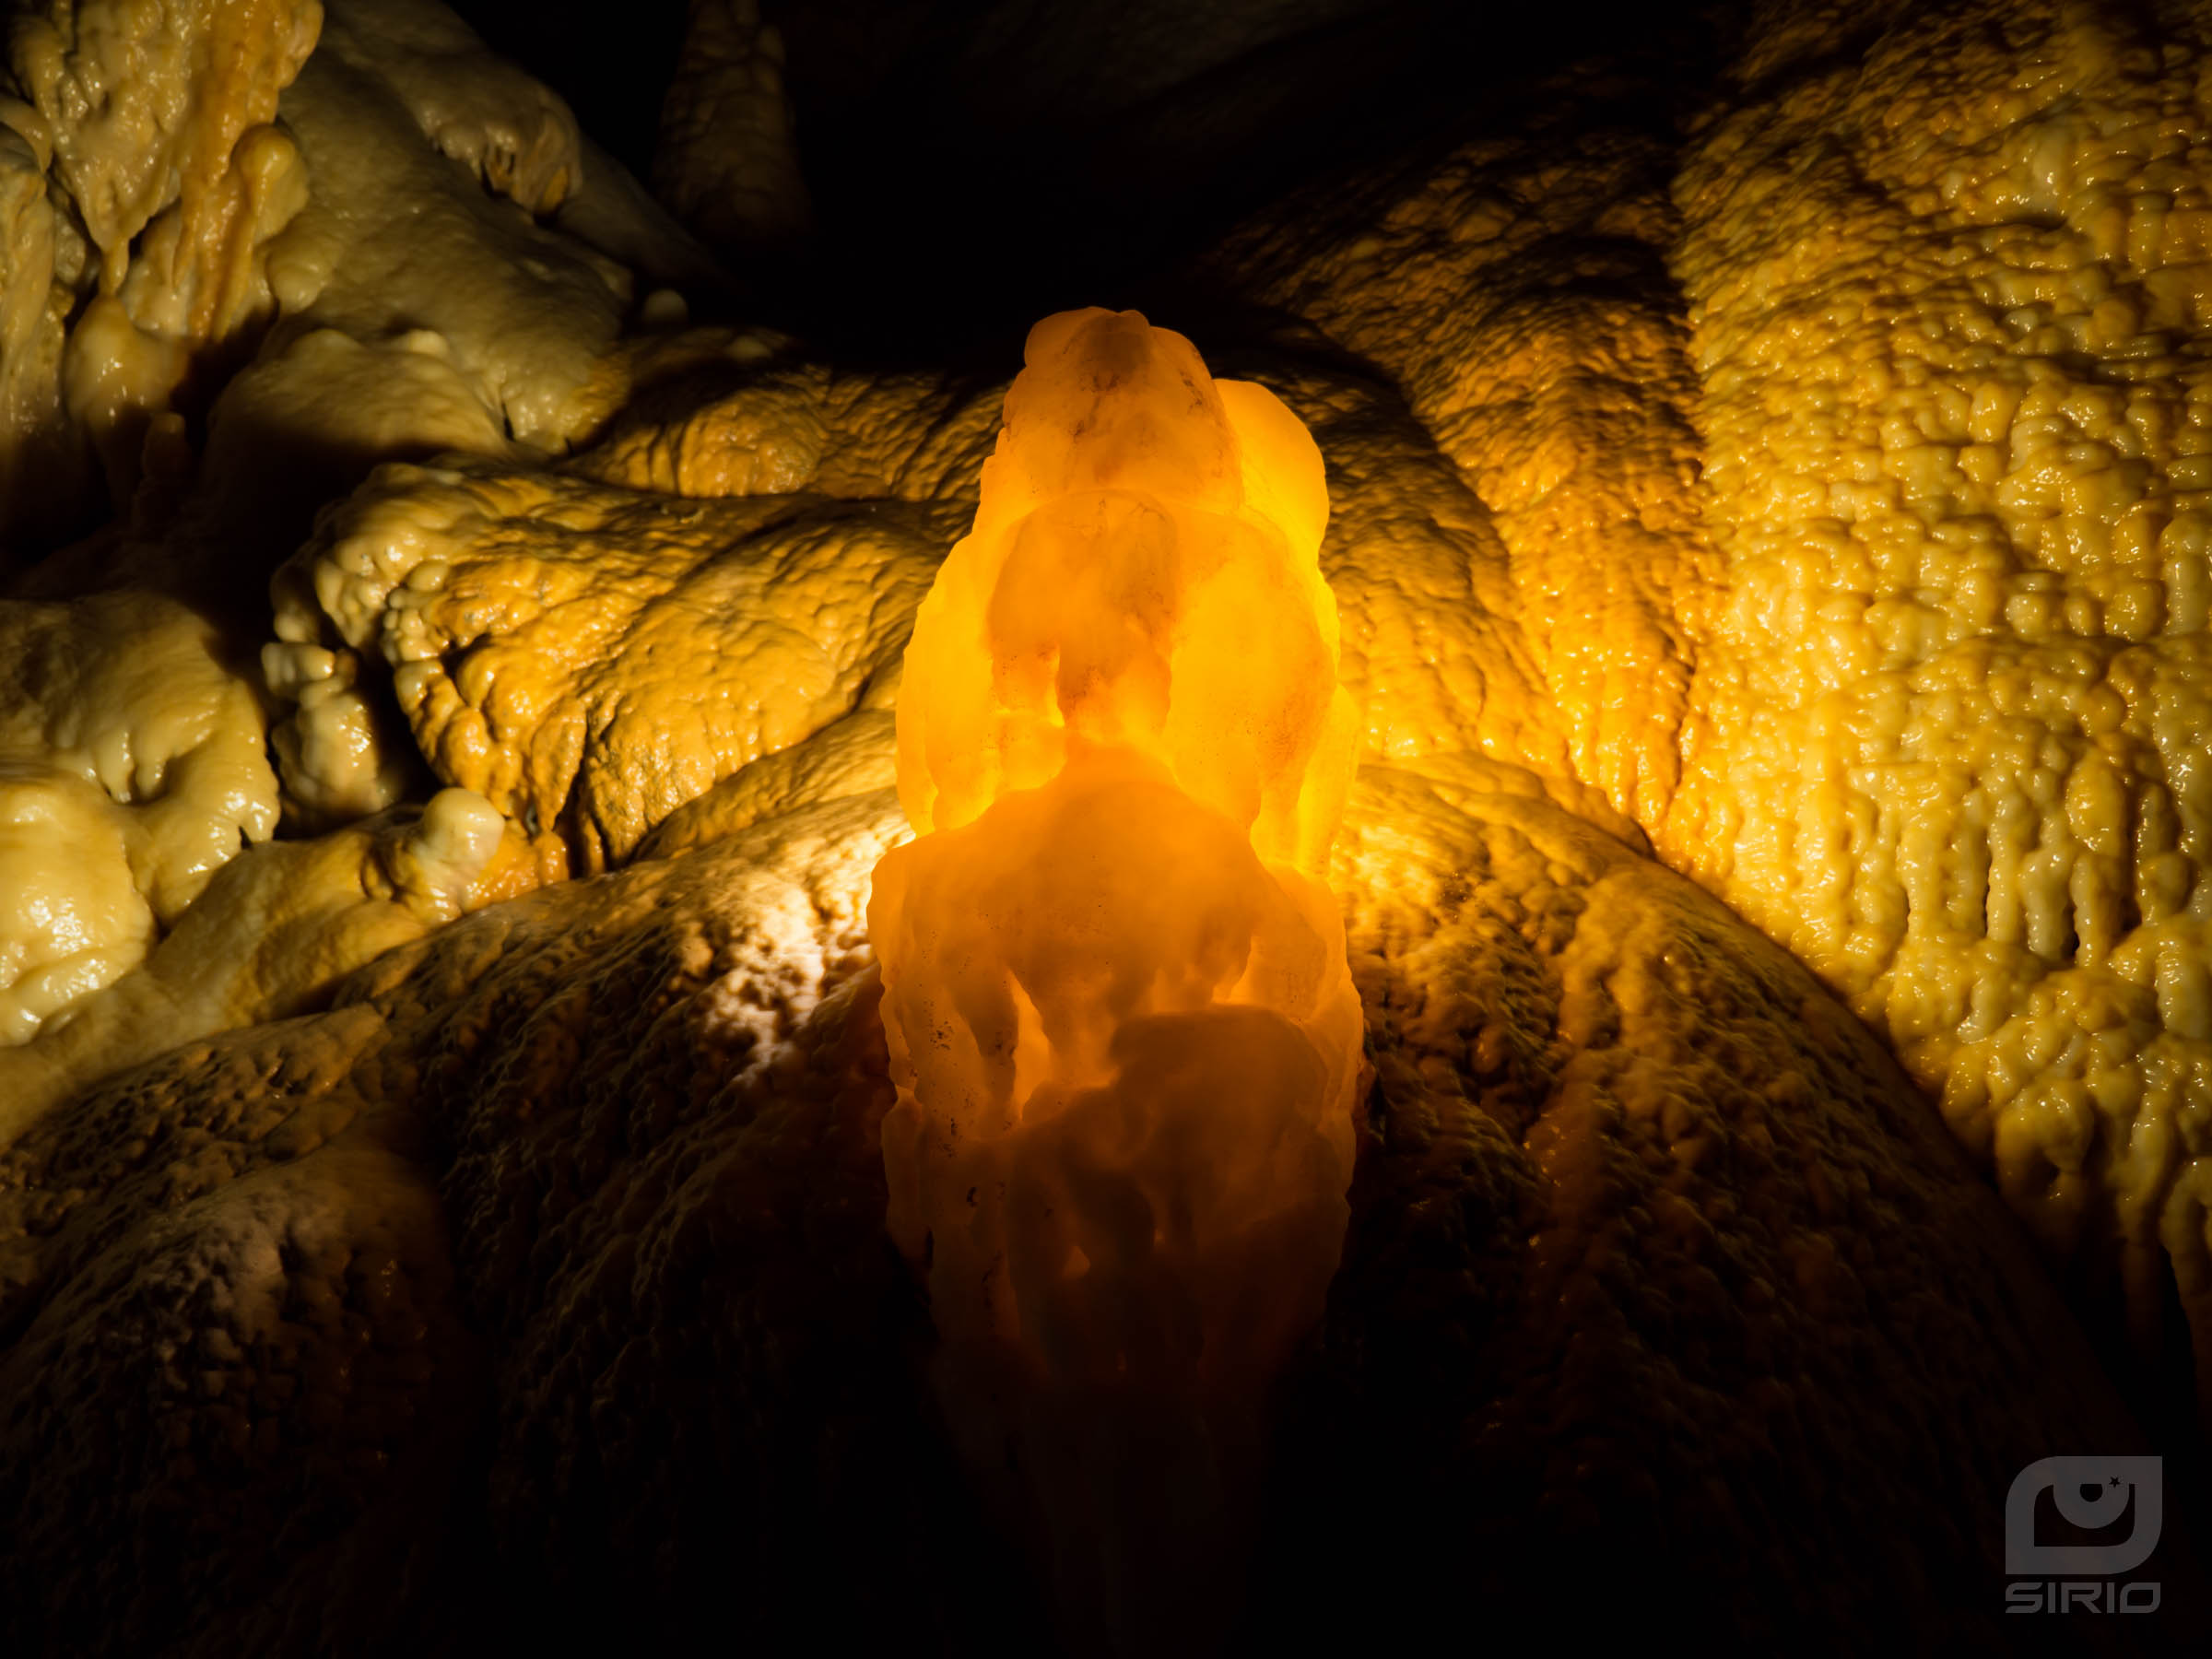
{"x":455,"y":693}
{"x":1121,"y":1025}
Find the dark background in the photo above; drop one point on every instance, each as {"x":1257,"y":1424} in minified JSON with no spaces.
{"x":972,"y":161}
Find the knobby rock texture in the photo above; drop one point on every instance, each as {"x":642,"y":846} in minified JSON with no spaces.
{"x":452,"y":628}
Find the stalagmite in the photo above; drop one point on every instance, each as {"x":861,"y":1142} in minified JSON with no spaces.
{"x":1124,"y":1039}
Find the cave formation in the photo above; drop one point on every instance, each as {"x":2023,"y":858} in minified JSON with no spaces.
{"x":465,"y":500}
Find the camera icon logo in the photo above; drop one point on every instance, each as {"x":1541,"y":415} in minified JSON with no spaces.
{"x":2093,"y":1493}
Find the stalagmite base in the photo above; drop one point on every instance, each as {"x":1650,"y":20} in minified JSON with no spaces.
{"x":1125,"y":1040}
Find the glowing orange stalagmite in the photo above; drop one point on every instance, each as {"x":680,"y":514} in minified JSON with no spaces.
{"x":1125,"y":1037}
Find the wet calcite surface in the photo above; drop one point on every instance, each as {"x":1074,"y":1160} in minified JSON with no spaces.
{"x":457,"y":641}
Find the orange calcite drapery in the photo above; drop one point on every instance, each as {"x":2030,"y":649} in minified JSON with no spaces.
{"x":1124,"y":1034}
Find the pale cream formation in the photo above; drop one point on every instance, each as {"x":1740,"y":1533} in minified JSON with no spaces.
{"x":517,"y":135}
{"x":160,"y":117}
{"x":1950,"y":726}
{"x":398,"y":236}
{"x":1119,"y":1018}
{"x":420,"y":306}
{"x":460,"y":230}
{"x":131,"y":769}
{"x":418,"y":314}
{"x":1634,"y":1193}
{"x":148,"y":101}
{"x":519,"y":139}
{"x":499,"y":122}
{"x":586,"y":657}
{"x":280,"y":928}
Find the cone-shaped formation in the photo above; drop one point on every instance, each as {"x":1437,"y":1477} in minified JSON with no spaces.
{"x":1120,"y":1020}
{"x":1144,"y":572}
